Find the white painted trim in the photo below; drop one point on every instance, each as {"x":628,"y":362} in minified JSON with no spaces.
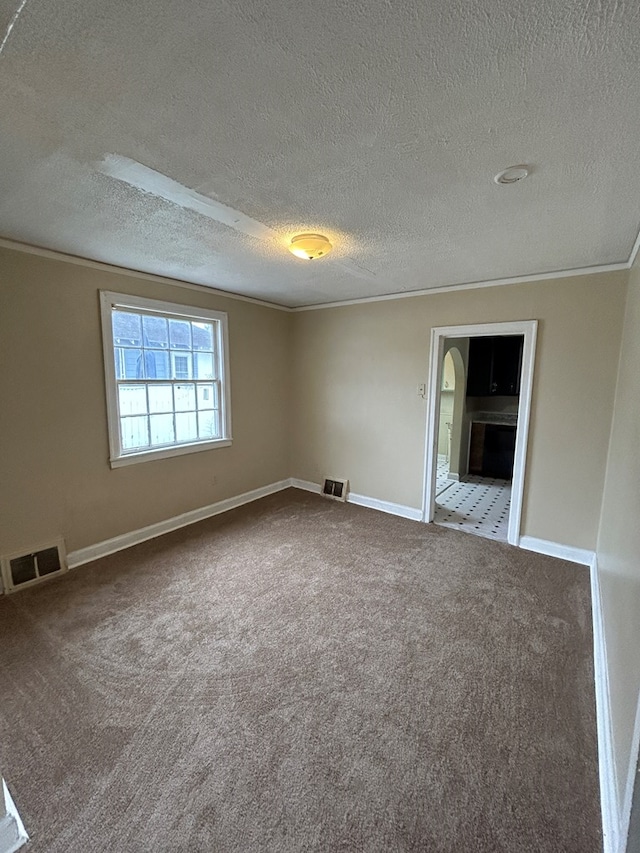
{"x":55,"y":255}
{"x":554,"y":549}
{"x":625,"y":818}
{"x":135,"y":537}
{"x":611,"y":838}
{"x":414,"y":513}
{"x":526,"y":328}
{"x":167,"y":452}
{"x":13,"y":835}
{"x":362,"y":500}
{"x":219,"y":319}
{"x":430,"y":462}
{"x":634,"y":251}
{"x":472,"y":285}
{"x":306,"y":485}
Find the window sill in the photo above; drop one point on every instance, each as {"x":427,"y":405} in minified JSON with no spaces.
{"x":166,"y":452}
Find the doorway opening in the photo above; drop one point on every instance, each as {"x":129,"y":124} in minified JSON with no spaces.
{"x":477,"y":426}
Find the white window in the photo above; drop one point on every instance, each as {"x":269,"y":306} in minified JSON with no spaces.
{"x":166,"y":378}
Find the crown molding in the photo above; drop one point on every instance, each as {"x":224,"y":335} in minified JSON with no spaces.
{"x":473,"y":285}
{"x":427,"y":291}
{"x":634,"y":251}
{"x":55,"y":255}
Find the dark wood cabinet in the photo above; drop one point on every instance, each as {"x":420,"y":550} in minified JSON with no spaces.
{"x":480,"y":367}
{"x":494,"y":366}
{"x":492,"y":450}
{"x":499,"y":451}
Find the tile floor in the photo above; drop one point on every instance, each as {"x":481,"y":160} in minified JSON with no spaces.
{"x":478,"y":505}
{"x":442,"y":469}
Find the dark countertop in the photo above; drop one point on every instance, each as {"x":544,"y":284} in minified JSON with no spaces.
{"x":500,"y":418}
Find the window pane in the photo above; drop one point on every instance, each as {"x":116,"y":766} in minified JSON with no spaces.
{"x":203,"y":365}
{"x":207,"y":397}
{"x":127,"y":331}
{"x":186,"y":427}
{"x":162,"y":431}
{"x":180,"y":334}
{"x":160,"y":398}
{"x":181,"y":365}
{"x":134,"y":432}
{"x":169,"y":375}
{"x":202,"y":336}
{"x":156,"y":363}
{"x":128,"y":363}
{"x":208,"y":424}
{"x":155,"y":332}
{"x":185,"y":398}
{"x":132,"y":399}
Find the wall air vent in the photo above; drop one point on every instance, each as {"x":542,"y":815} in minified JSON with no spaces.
{"x":335,"y":488}
{"x":22,"y":570}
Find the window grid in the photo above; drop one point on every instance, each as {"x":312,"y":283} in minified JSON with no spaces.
{"x":196,"y":411}
{"x":169,"y":391}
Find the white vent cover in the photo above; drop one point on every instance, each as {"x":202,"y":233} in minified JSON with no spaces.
{"x":335,"y":488}
{"x":22,"y":570}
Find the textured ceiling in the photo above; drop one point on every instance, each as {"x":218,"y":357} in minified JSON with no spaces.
{"x":379,"y":123}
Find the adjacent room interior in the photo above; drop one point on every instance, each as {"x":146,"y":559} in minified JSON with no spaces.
{"x":478,"y":420}
{"x":279,"y":287}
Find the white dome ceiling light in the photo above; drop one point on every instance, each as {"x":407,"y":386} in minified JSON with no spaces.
{"x":512,"y":175}
{"x":310,"y":246}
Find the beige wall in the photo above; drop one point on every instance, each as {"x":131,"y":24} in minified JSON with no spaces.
{"x":358,"y":415}
{"x":347,"y":404}
{"x":619,"y":541}
{"x":54,"y":474}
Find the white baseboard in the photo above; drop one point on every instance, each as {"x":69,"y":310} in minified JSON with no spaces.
{"x":553,"y":549}
{"x":385,"y":506}
{"x":615,"y":820}
{"x":363,"y":500}
{"x":306,"y":485}
{"x":135,"y":537}
{"x":625,"y":818}
{"x":12,"y":832}
{"x":611,"y":825}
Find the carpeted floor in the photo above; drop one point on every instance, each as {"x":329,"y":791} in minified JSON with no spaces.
{"x":303,"y":675}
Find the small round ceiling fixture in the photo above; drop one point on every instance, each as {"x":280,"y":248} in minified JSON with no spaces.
{"x":310,"y":246}
{"x":512,"y":175}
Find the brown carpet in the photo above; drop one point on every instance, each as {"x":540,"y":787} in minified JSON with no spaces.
{"x":302,"y":675}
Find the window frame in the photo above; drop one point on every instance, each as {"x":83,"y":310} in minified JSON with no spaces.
{"x":110,"y":300}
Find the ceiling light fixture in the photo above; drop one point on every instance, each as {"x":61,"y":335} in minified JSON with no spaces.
{"x":310,"y":246}
{"x":512,"y":175}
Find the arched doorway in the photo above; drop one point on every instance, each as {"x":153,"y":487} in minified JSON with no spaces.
{"x":451,"y":458}
{"x":443,"y":340}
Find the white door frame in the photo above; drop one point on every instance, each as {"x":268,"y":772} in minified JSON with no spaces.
{"x":527,"y":328}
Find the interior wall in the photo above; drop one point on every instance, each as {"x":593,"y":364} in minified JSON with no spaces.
{"x":446,"y":416}
{"x":618,"y":550}
{"x":458,"y":348}
{"x":54,"y":469}
{"x":358,"y":414}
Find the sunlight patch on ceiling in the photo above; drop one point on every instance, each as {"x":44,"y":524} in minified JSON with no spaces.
{"x":150,"y":181}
